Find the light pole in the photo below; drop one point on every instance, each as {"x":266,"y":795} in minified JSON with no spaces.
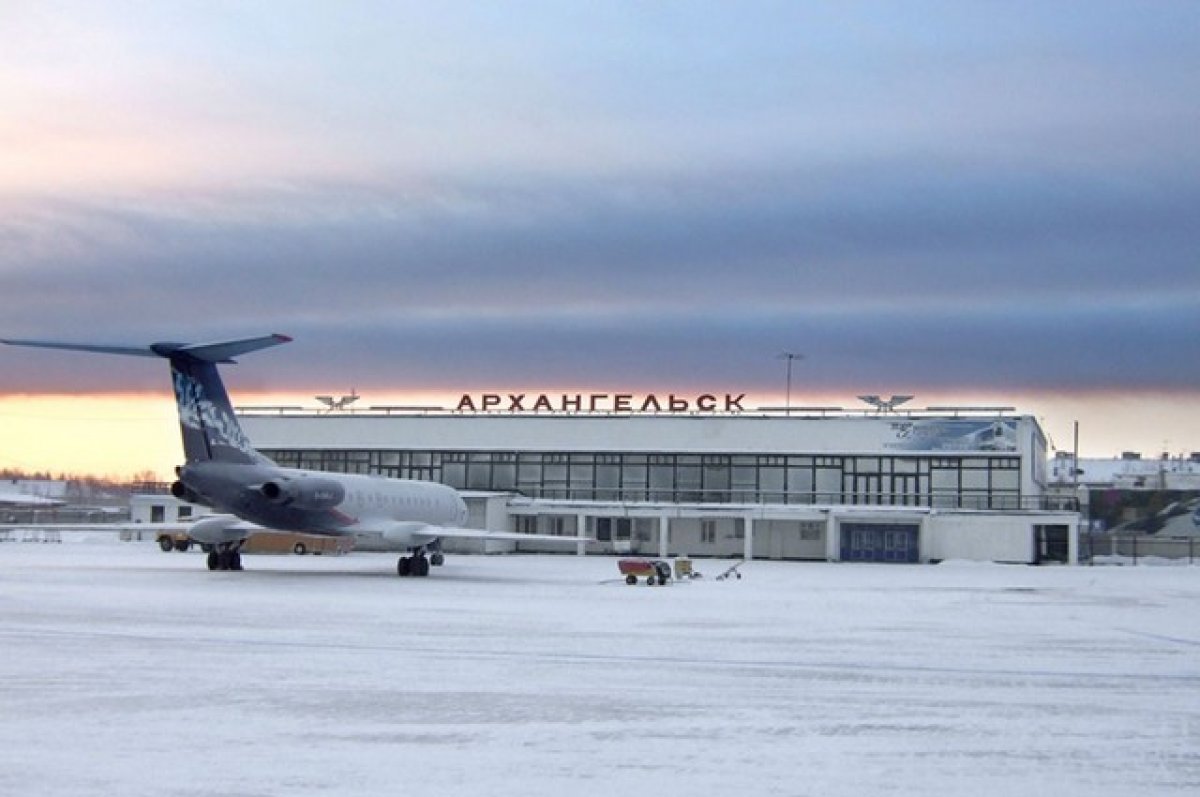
{"x":789,"y":356}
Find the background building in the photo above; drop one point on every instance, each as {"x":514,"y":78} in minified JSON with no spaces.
{"x":1130,"y":471}
{"x":809,"y":483}
{"x":1134,"y":507}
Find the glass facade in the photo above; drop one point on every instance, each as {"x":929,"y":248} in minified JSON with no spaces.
{"x":951,"y":482}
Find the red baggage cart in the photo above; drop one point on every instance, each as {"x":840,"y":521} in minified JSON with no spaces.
{"x":655,"y":571}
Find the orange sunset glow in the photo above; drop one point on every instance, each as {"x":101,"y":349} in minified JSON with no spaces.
{"x":126,"y":436}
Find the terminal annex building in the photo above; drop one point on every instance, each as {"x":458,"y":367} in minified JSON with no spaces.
{"x":705,"y":476}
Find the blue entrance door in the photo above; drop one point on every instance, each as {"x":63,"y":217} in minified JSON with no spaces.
{"x":880,"y":542}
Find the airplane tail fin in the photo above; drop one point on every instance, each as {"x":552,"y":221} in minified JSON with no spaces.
{"x":206,"y":418}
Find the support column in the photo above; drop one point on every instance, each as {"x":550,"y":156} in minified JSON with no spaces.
{"x":748,"y":541}
{"x":664,"y":535}
{"x":833,"y":545}
{"x":925,"y":537}
{"x":1073,"y":542}
{"x":580,"y":530}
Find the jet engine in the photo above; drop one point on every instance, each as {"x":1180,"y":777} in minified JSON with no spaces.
{"x":304,"y":493}
{"x":185,"y":493}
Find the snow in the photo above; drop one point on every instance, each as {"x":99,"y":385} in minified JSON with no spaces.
{"x":124,"y":670}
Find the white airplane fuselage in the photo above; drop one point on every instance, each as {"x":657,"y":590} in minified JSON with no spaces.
{"x":400,"y":512}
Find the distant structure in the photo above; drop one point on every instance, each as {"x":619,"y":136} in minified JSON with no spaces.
{"x":32,"y":492}
{"x":1127,"y":472}
{"x":1133,"y":506}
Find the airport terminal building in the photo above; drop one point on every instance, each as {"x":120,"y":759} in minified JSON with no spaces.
{"x":705,"y":476}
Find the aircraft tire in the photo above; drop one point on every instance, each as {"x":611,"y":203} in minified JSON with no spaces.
{"x":214,"y":560}
{"x":437,"y":560}
{"x":420,"y":566}
{"x":404,"y":567}
{"x":235,"y":560}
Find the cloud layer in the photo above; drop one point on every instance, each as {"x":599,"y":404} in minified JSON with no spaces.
{"x":953,"y":197}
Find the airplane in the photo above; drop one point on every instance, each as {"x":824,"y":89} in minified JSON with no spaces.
{"x":250,"y":494}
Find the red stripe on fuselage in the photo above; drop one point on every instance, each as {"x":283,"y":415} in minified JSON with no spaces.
{"x":342,"y":519}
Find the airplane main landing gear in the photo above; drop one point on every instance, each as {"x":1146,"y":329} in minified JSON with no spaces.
{"x":415,"y":565}
{"x":225,"y":558}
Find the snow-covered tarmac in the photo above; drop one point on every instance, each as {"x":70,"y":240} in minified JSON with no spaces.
{"x":126,"y":671}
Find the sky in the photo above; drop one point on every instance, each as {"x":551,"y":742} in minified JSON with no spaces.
{"x":965,"y":201}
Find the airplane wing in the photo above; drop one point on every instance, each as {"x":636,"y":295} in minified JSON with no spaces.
{"x":516,"y":536}
{"x":228,"y":528}
{"x":208,"y":528}
{"x":409,"y":533}
{"x":25,"y":501}
{"x":113,"y":527}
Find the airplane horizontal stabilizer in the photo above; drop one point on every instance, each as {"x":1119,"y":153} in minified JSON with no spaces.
{"x":224,"y":351}
{"x":219,"y":352}
{"x":135,"y":351}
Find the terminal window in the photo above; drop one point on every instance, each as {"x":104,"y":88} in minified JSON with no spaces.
{"x":939,"y":481}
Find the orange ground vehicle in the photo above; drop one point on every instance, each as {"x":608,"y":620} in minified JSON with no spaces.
{"x":295,"y":543}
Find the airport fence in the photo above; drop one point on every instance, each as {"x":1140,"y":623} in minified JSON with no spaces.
{"x":1136,"y":549}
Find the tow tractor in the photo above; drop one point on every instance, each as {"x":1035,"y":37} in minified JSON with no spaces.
{"x":655,"y":571}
